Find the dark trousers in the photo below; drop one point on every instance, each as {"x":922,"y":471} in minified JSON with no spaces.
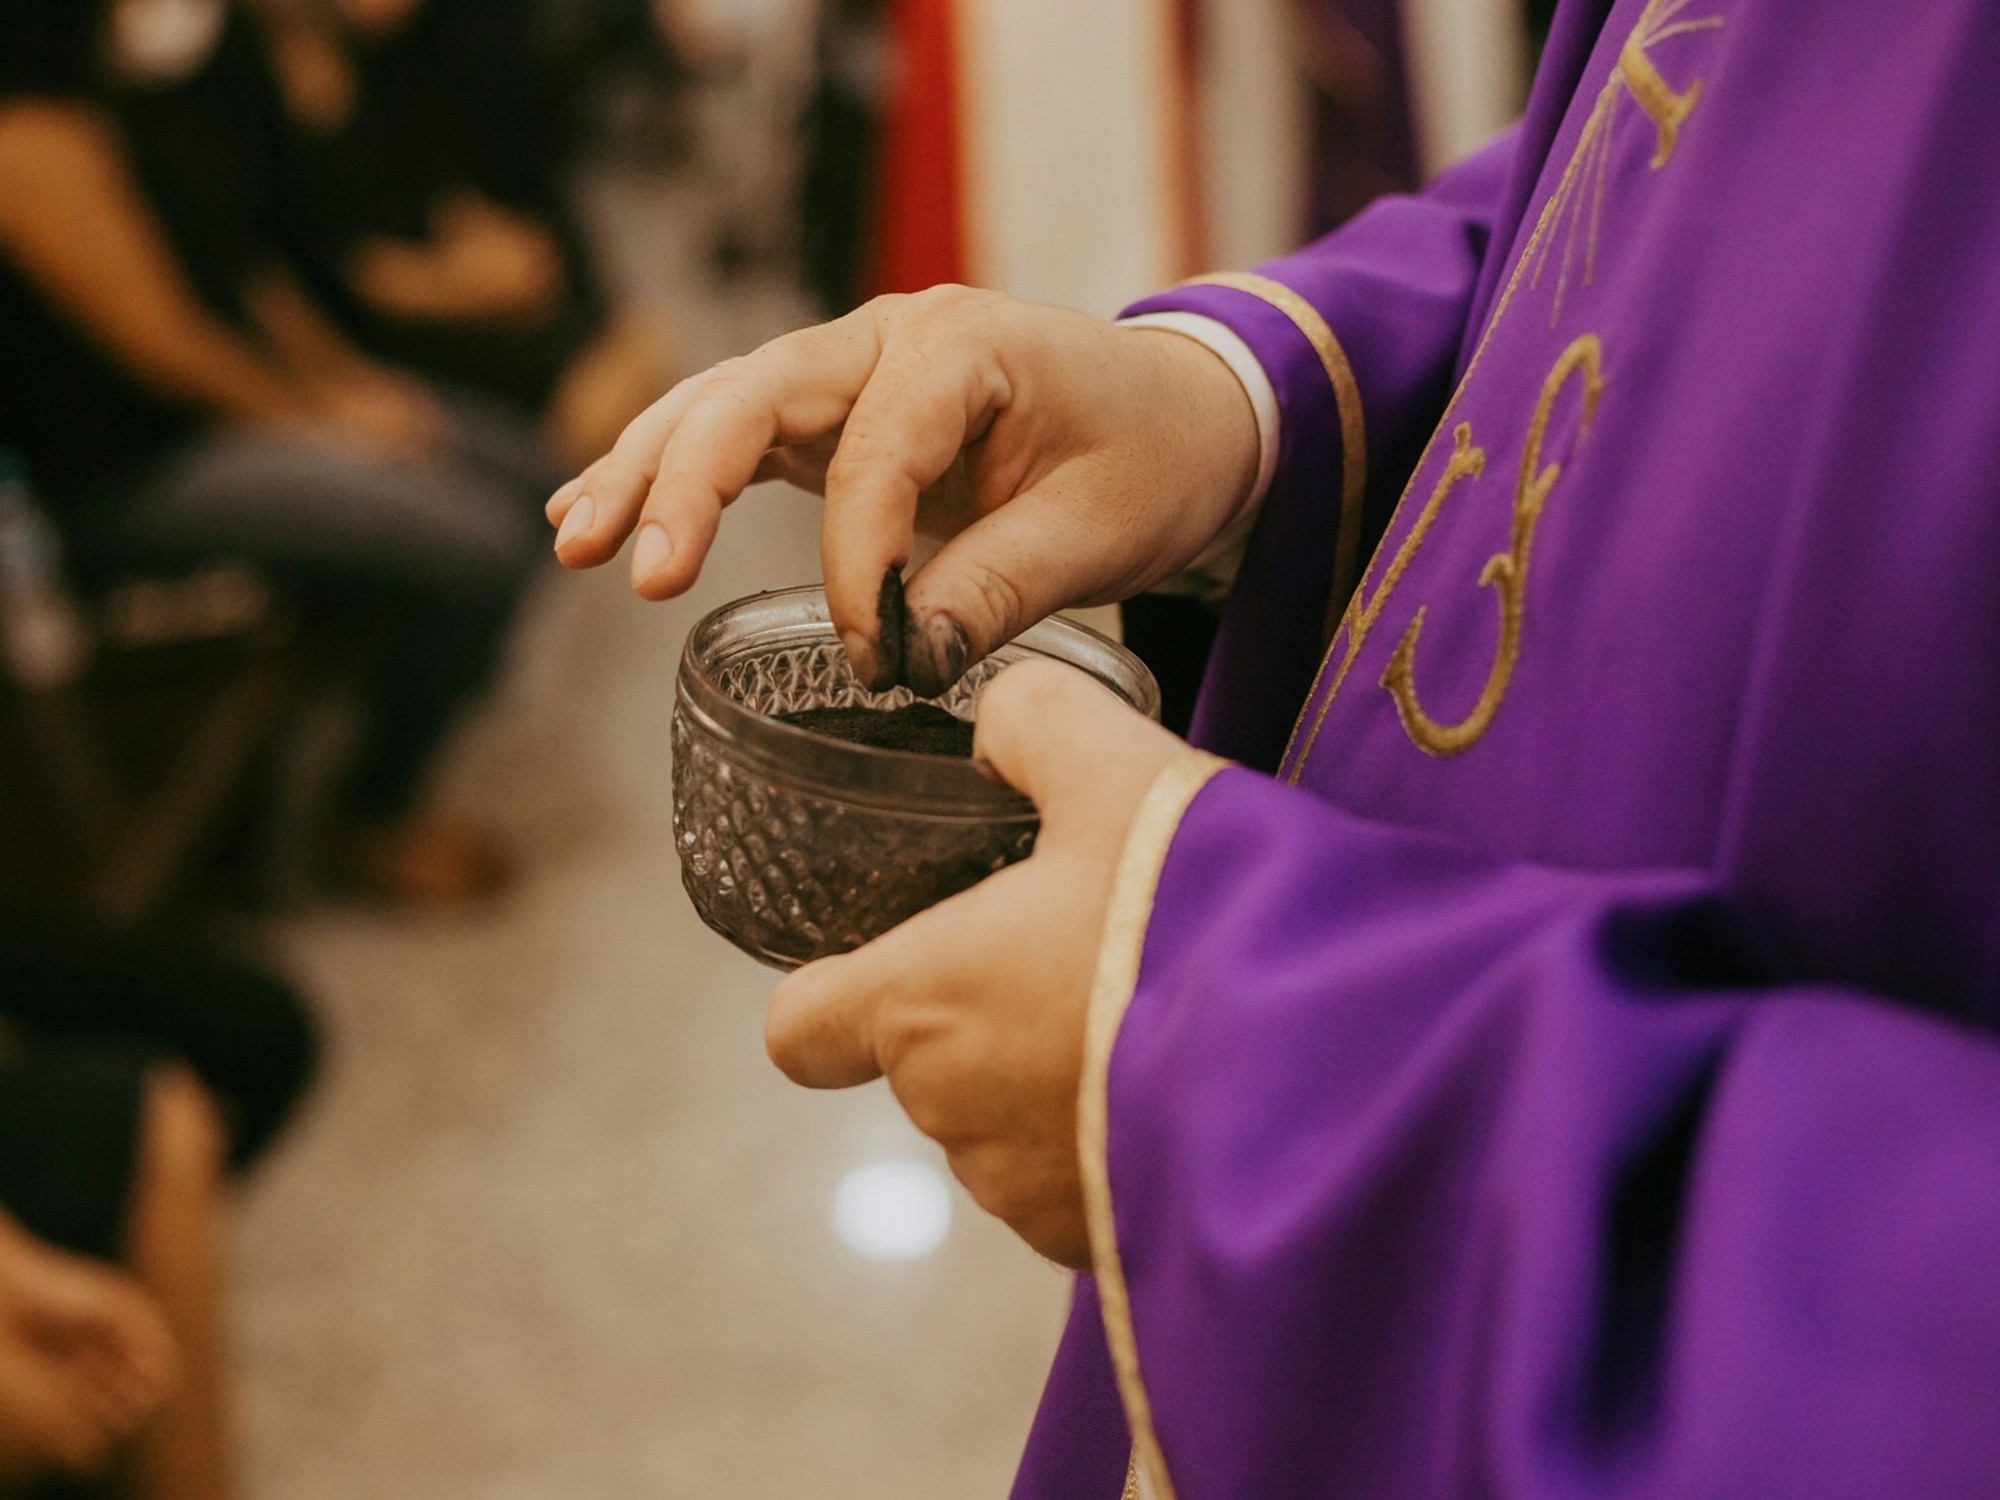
{"x":432,"y":555}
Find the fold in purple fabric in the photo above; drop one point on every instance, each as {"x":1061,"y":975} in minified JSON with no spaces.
{"x":1559,"y":1190}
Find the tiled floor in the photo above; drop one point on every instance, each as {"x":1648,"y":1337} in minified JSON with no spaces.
{"x":553,"y":1227}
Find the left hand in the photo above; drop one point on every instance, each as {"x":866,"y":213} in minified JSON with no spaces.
{"x":975,"y":1009}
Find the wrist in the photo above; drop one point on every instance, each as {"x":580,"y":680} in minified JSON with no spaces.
{"x":1222,"y":341}
{"x":1216,"y":439}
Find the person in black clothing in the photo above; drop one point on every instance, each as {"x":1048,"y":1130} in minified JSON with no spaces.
{"x":179,"y":399}
{"x":428,"y":155}
{"x":136,"y":1072}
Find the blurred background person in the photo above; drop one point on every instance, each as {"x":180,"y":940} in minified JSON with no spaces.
{"x":136,"y":1076}
{"x":429,"y":143}
{"x":178,"y":399}
{"x":85,"y":1361}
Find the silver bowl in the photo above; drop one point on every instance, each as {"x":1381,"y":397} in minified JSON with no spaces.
{"x":795,"y":846}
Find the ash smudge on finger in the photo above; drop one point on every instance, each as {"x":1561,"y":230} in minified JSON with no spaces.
{"x":890,"y":623}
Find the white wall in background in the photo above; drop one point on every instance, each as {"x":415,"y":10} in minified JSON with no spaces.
{"x":1067,"y":177}
{"x":1468,"y":73}
{"x":1254,"y":131}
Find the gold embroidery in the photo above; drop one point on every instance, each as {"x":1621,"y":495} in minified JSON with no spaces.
{"x":1668,"y":110}
{"x":1119,"y":950}
{"x":1588,"y":164}
{"x":1347,"y":403}
{"x":1466,"y":462}
{"x":1635,"y":74}
{"x":1506,"y":573}
{"x":1132,"y":1490}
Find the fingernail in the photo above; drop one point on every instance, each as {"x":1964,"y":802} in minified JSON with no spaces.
{"x":889,"y":627}
{"x":577,"y":522}
{"x":934,"y":657}
{"x":651,"y":551}
{"x":562,"y":497}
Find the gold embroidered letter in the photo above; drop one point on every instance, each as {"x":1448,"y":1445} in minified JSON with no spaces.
{"x":1506,"y":573}
{"x":1466,"y":462}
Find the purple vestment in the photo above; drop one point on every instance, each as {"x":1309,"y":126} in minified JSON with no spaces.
{"x":1580,"y":1079}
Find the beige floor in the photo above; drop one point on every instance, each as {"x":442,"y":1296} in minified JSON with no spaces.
{"x":553,"y":1226}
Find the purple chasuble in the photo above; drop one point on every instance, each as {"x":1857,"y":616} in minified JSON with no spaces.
{"x":1564,"y":1065}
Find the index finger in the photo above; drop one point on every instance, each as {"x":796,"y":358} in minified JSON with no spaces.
{"x":694,"y":450}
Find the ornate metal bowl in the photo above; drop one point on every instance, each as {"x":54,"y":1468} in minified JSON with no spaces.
{"x":795,"y":846}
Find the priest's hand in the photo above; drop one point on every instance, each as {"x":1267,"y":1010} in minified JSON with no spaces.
{"x":1064,"y":461}
{"x":975,"y":1009}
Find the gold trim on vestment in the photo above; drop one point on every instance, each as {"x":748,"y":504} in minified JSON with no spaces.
{"x":1578,"y":200}
{"x":1353,"y":430}
{"x":1125,"y":923}
{"x":1132,"y":1490}
{"x":1506,"y":573}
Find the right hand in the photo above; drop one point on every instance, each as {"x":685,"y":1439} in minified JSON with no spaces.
{"x":85,"y":1358}
{"x":1065,"y":461}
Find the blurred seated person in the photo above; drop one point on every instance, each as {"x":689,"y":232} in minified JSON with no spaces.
{"x":179,"y":401}
{"x":133,"y":1077}
{"x":86,"y":1361}
{"x":429,"y":199}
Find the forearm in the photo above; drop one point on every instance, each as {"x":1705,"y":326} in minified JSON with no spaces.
{"x":303,"y":337}
{"x":408,"y":280}
{"x":74,"y":224}
{"x":210,"y":368}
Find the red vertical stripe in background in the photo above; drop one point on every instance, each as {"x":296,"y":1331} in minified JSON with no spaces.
{"x":1188,"y":195}
{"x":920,"y":231}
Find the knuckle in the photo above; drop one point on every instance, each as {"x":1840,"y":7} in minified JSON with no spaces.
{"x":632,"y":462}
{"x":852,"y":462}
{"x":970,"y":1167}
{"x":945,"y":302}
{"x":902,"y":1032}
{"x":932,"y":1115}
{"x":990,"y":1176}
{"x":1000,"y":604}
{"x":732,"y":379}
{"x":1027,"y":690}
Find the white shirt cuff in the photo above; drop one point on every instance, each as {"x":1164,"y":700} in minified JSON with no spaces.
{"x":1210,"y":575}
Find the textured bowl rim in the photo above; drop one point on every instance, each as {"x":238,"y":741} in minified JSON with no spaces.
{"x":905,"y":781}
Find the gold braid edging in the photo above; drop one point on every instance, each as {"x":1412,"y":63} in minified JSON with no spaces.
{"x":1347,"y":402}
{"x":1126,"y":920}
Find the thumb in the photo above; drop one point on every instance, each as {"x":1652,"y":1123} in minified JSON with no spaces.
{"x":820,"y":1025}
{"x":1009,"y":570}
{"x":1082,"y":755}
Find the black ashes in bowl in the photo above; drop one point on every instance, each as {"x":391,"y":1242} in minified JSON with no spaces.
{"x":920,"y":728}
